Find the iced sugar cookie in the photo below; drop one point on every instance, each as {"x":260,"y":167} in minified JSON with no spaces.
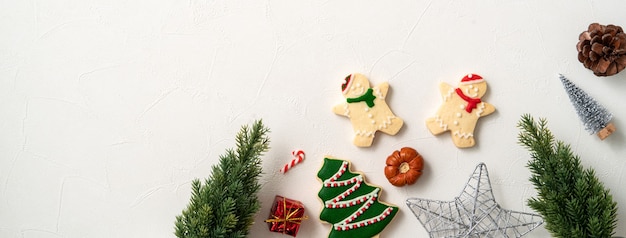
{"x":461,"y":109}
{"x":367,"y":109}
{"x":351,"y":205}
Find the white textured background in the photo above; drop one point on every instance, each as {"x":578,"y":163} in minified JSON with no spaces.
{"x":108,"y":109}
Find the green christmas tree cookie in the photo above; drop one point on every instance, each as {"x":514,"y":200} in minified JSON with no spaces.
{"x":351,"y":206}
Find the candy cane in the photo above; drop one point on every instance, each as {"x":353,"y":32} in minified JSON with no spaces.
{"x":299,"y":156}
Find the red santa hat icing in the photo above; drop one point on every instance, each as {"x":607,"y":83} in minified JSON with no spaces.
{"x":346,"y":85}
{"x":471,"y":78}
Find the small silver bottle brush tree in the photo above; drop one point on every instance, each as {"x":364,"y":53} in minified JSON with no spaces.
{"x":596,"y":118}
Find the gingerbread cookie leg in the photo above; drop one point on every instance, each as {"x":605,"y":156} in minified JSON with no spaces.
{"x":392,"y":125}
{"x":463,"y":139}
{"x":363,"y":138}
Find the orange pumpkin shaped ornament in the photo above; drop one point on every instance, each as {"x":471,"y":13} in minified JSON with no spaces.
{"x":404,"y":166}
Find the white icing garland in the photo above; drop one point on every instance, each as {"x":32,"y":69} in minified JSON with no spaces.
{"x":366,"y":222}
{"x":338,"y":174}
{"x":365,"y":201}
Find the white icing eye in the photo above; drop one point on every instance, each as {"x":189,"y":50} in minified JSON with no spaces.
{"x":476,"y":90}
{"x":471,"y":86}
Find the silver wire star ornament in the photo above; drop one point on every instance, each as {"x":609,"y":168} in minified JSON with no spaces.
{"x":474,"y":213}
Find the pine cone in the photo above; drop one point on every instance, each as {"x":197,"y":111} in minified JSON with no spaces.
{"x":602,"y":49}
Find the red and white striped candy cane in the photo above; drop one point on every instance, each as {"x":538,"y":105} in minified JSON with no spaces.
{"x":299,"y":156}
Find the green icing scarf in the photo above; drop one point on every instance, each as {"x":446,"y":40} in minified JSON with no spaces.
{"x":368,"y":98}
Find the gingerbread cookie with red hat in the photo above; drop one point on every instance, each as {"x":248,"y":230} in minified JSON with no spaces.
{"x":461,"y":109}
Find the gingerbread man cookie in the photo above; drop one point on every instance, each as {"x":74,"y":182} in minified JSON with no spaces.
{"x":460,"y":110}
{"x":367,"y":109}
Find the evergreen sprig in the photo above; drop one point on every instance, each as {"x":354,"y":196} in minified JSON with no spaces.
{"x":571,"y":199}
{"x":225,"y":204}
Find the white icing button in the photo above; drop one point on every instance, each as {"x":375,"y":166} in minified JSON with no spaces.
{"x":373,"y":122}
{"x":370,"y":115}
{"x":367,"y":109}
{"x":458,"y":114}
{"x":456,"y":123}
{"x":462,"y":106}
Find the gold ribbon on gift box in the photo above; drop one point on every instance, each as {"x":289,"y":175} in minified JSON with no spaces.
{"x":288,"y":217}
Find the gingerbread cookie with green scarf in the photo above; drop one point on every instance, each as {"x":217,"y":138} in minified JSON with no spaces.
{"x":461,"y":109}
{"x":367,"y":110}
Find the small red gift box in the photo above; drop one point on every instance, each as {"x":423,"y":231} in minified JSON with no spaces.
{"x":286,"y":216}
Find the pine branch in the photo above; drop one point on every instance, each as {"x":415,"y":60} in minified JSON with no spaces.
{"x":225,"y":204}
{"x":573,"y":202}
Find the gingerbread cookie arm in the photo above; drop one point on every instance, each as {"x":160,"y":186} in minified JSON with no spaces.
{"x":488,"y":109}
{"x":435,"y":126}
{"x":393,"y":125}
{"x":383,"y":88}
{"x":342,"y":110}
{"x":445,"y":90}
